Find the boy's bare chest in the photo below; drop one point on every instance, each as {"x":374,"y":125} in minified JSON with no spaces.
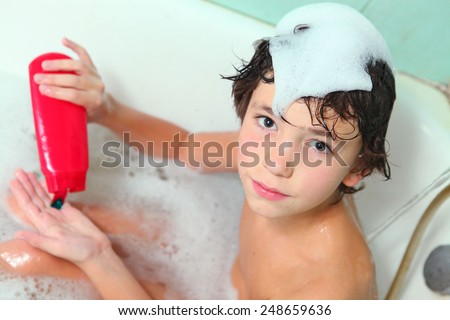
{"x":271,"y":264}
{"x":277,"y":264}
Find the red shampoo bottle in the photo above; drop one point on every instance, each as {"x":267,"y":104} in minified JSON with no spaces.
{"x":61,"y":134}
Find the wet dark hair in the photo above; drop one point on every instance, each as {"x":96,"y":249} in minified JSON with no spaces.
{"x":371,"y":110}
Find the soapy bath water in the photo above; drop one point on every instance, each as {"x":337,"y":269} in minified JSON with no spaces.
{"x":194,"y":216}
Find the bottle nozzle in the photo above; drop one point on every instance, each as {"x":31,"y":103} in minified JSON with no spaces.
{"x":58,"y":199}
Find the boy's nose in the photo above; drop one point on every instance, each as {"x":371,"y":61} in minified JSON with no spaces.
{"x":280,"y":160}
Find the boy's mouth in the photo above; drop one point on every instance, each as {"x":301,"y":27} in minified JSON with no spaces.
{"x":268,"y":193}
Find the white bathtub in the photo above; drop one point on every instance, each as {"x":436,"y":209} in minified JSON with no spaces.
{"x":419,"y":136}
{"x":165,"y":57}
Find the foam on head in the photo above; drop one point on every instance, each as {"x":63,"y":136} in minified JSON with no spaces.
{"x":322,"y":48}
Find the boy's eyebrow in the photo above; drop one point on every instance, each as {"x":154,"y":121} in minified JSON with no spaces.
{"x":319,"y":132}
{"x":265,"y":108}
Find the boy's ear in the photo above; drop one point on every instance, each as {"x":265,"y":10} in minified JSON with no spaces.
{"x":353,"y":178}
{"x":356,"y":174}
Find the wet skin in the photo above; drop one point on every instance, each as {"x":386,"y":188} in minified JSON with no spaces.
{"x":299,"y":238}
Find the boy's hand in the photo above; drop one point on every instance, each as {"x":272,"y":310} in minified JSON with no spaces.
{"x":64,"y":233}
{"x":84,"y":88}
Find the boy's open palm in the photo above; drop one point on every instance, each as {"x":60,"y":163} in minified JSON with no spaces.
{"x":65,"y":233}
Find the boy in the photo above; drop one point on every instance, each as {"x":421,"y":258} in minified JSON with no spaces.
{"x":314,"y":102}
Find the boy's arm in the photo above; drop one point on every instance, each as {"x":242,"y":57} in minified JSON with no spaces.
{"x":206,"y":152}
{"x":112,"y":278}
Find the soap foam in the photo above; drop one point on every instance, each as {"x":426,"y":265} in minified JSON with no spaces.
{"x":44,"y":288}
{"x":196,"y":216}
{"x":329,"y":55}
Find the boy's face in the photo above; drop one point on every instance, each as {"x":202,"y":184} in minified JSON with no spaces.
{"x":290,"y":167}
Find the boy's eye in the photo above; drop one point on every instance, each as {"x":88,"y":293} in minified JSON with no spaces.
{"x":319,"y":146}
{"x":266,"y":122}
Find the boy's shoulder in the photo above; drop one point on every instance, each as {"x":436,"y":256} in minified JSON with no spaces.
{"x":339,"y":257}
{"x":338,"y":234}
